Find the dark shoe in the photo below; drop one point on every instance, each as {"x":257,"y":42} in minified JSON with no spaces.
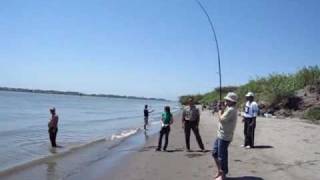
{"x":164,"y":149}
{"x":158,"y":149}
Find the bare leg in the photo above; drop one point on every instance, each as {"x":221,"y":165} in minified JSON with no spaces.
{"x":219,"y":170}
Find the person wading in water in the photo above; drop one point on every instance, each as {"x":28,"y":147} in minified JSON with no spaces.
{"x":53,"y":127}
{"x":146,"y":113}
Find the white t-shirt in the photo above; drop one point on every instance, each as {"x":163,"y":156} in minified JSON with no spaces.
{"x":251,"y":110}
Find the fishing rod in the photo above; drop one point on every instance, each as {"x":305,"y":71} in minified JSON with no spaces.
{"x":216,"y":42}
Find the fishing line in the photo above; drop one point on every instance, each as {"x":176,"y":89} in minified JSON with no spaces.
{"x":216,"y":42}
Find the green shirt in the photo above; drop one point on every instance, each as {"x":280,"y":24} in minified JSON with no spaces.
{"x":166,"y":118}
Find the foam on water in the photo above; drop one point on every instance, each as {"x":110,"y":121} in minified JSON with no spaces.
{"x":125,"y":134}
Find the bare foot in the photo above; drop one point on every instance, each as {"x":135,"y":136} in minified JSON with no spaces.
{"x":218,"y":174}
{"x":219,"y":178}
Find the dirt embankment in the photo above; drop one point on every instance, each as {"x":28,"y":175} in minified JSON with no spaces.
{"x":304,"y":104}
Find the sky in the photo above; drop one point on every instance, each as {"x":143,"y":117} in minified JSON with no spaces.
{"x":152,"y":48}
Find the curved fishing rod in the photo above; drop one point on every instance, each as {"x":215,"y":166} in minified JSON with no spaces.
{"x":216,"y":42}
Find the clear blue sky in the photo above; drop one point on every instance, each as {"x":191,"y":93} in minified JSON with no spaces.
{"x":153,"y":48}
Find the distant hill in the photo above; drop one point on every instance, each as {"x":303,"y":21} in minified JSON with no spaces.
{"x":73,"y":93}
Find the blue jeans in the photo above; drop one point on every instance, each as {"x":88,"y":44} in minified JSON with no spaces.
{"x":220,"y":152}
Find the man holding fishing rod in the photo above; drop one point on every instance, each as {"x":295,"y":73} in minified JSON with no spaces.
{"x":227,"y":119}
{"x":146,"y":113}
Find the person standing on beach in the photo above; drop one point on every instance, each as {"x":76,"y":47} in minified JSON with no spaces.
{"x":53,"y":127}
{"x":249,"y":118}
{"x":227,"y":120}
{"x":166,"y":121}
{"x":190,"y":121}
{"x":146,"y":113}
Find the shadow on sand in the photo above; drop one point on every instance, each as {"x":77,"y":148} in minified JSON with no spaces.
{"x":244,"y":178}
{"x":174,"y":150}
{"x":194,"y":155}
{"x":148,"y":148}
{"x":263,"y":147}
{"x":199,"y":151}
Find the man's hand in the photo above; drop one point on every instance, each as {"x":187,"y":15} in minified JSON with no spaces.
{"x":219,"y":115}
{"x":221,"y":105}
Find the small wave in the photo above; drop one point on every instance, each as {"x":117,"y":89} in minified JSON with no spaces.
{"x":95,"y":121}
{"x":112,"y":119}
{"x":124,"y":134}
{"x":155,"y":122}
{"x":110,"y":113}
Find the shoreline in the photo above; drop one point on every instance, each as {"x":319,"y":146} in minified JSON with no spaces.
{"x":71,"y":163}
{"x":83,"y":122}
{"x":276,"y":155}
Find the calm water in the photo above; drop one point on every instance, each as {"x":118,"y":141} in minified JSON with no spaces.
{"x":82,"y":120}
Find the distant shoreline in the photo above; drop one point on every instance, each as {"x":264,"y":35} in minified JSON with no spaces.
{"x":74,"y":93}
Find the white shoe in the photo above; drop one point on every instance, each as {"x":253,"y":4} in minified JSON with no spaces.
{"x":242,"y":145}
{"x":248,"y":147}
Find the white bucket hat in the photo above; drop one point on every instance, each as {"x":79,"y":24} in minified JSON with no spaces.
{"x":231,"y":96}
{"x":250,"y":94}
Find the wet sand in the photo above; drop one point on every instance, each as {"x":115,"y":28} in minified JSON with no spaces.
{"x":286,"y":149}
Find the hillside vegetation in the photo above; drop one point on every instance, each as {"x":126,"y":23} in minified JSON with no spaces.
{"x":277,"y":93}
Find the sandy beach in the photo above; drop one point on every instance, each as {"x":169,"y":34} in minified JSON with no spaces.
{"x":285,"y":149}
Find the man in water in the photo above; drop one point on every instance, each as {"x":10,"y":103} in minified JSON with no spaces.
{"x":227,"y":119}
{"x":250,"y":115}
{"x":190,"y":120}
{"x":53,"y":127}
{"x":146,"y":116}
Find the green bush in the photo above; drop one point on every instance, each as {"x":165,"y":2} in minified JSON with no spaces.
{"x":307,"y":76}
{"x":196,"y":98}
{"x":272,"y":90}
{"x":313,"y":114}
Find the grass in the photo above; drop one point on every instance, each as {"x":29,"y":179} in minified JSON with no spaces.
{"x":272,"y":90}
{"x":313,"y":114}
